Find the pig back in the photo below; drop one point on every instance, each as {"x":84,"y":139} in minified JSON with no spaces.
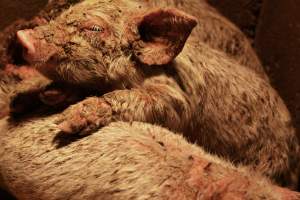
{"x":241,"y":116}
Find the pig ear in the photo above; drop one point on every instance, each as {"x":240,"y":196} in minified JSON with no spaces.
{"x":162,"y":34}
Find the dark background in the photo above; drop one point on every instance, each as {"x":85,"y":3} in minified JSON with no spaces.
{"x":11,"y":10}
{"x":273,"y":27}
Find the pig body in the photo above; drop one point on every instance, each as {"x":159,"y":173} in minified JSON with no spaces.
{"x":126,"y":50}
{"x":135,"y":161}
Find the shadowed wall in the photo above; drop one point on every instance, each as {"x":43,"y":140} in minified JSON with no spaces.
{"x":12,"y":10}
{"x":278,"y":45}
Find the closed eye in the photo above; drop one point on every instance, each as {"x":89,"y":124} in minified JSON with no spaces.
{"x":96,"y":28}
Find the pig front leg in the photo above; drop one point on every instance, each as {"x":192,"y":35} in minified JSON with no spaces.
{"x":156,"y":104}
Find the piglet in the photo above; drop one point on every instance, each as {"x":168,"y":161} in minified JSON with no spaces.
{"x":144,"y":68}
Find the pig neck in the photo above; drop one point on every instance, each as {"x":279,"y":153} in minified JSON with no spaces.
{"x":201,"y":71}
{"x":189,"y":73}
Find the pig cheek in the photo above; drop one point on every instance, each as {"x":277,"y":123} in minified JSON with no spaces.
{"x":61,"y":38}
{"x":50,"y":69}
{"x":43,"y":52}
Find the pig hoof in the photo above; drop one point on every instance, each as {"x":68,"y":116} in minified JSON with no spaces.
{"x":85,"y":117}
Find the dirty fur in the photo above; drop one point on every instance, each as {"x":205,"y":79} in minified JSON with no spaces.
{"x":214,"y":30}
{"x":134,"y":161}
{"x":224,"y":107}
{"x":8,"y":48}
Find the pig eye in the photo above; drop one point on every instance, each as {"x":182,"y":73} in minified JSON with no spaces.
{"x":96,"y":28}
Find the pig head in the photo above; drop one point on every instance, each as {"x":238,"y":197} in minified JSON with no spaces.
{"x":106,"y":44}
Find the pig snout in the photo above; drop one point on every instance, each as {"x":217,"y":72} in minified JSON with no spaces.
{"x":26,"y":40}
{"x":35,"y":49}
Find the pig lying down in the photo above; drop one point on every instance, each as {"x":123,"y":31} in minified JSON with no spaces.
{"x":128,"y":161}
{"x":132,"y":56}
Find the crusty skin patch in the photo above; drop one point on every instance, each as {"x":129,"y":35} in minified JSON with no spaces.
{"x":91,"y":114}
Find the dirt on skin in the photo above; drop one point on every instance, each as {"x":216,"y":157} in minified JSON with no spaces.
{"x":33,"y":13}
{"x":243,"y":90}
{"x":284,"y":80}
